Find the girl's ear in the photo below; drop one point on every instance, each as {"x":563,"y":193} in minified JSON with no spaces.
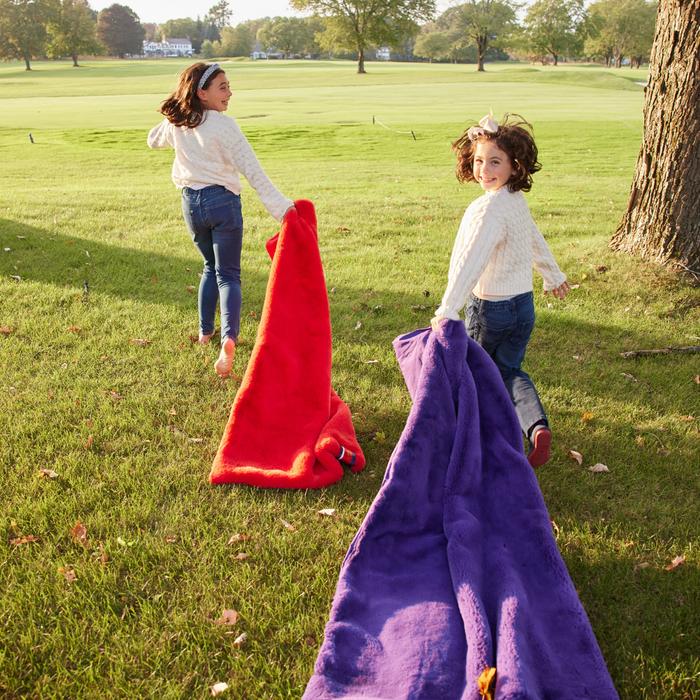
{"x":202,"y":96}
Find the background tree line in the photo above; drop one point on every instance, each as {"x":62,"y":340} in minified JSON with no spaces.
{"x":475,"y":31}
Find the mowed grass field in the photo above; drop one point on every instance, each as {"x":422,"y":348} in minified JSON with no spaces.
{"x":131,"y":429}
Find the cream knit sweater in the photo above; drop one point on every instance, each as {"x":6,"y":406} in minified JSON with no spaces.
{"x":214,"y":153}
{"x":496,"y":247}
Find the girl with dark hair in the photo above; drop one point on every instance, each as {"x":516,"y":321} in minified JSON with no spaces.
{"x":491,"y":267}
{"x":210,"y":153}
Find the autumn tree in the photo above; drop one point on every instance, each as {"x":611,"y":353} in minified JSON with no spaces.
{"x":556,"y":27}
{"x":359,"y":24}
{"x":119,"y":29}
{"x":72,"y":31}
{"x":23,"y":29}
{"x":219,"y":15}
{"x":662,"y":220}
{"x":486,"y":23}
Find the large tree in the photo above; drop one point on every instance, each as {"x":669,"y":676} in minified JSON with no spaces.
{"x":486,"y":23}
{"x":220,"y":14}
{"x":119,"y":29}
{"x":359,"y":24}
{"x":286,"y":34}
{"x":642,"y":40}
{"x":237,"y":42}
{"x":556,"y":27}
{"x":23,"y":29}
{"x":432,"y":45}
{"x":662,"y":221}
{"x":72,"y":31}
{"x":185,"y":28}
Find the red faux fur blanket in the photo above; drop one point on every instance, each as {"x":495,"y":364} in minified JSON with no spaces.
{"x":288,"y":428}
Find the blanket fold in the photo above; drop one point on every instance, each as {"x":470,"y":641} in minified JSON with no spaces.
{"x":287,"y":427}
{"x":455,"y":567}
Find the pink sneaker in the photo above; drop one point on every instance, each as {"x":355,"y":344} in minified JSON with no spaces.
{"x":540,"y":441}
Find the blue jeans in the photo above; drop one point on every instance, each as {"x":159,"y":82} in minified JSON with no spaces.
{"x":214,"y":220}
{"x":503,"y":329}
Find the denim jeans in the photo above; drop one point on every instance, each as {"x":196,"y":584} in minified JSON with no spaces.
{"x":503,"y":329}
{"x":213,"y":218}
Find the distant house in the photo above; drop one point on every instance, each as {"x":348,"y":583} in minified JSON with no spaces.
{"x":168,"y":47}
{"x":383,"y":54}
{"x":258,"y":53}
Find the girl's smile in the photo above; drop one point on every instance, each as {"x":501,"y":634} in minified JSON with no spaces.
{"x":217,"y":95}
{"x":492,"y":166}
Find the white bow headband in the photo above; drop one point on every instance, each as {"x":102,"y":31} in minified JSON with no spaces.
{"x":488,"y":123}
{"x":206,"y":74}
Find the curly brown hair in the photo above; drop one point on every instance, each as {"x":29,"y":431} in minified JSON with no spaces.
{"x":515,"y":139}
{"x":183,"y":107}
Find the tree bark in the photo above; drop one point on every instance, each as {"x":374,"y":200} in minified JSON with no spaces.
{"x":662,"y":221}
{"x":75,"y":61}
{"x":360,"y":61}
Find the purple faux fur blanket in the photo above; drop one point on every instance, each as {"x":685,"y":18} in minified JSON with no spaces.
{"x":455,"y":567}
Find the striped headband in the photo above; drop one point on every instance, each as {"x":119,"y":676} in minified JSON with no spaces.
{"x":206,"y":74}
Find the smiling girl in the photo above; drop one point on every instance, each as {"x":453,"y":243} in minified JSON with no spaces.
{"x":210,"y":153}
{"x":491,"y":267}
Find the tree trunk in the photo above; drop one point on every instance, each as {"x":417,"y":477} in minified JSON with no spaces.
{"x":75,"y":61}
{"x":555,"y":57}
{"x":26,"y":61}
{"x":662,"y":221}
{"x":360,"y":61}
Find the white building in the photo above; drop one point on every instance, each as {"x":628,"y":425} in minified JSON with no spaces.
{"x":168,"y":47}
{"x":383,"y":54}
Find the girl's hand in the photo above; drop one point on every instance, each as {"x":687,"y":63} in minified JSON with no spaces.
{"x":436,"y":321}
{"x":287,"y":212}
{"x":561,"y":291}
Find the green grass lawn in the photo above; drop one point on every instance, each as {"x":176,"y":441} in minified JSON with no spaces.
{"x":131,"y":430}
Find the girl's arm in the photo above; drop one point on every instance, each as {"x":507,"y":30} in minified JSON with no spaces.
{"x":478,"y":236}
{"x":161,"y":136}
{"x":249,"y":166}
{"x":546,"y":265}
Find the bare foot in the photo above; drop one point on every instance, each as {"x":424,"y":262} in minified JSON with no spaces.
{"x":223,"y":364}
{"x":204,"y":339}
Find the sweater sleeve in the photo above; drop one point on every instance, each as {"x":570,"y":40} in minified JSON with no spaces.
{"x":161,"y":136}
{"x":544,"y":261}
{"x":478,"y":236}
{"x":248,"y":165}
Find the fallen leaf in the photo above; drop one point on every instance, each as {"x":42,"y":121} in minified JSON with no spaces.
{"x":74,"y":328}
{"x":359,"y":325}
{"x":555,"y":527}
{"x":587,"y":417}
{"x":486,"y":681}
{"x":154,"y":279}
{"x":238,"y":641}
{"x":253,"y":314}
{"x":240,"y":556}
{"x":676,"y":562}
{"x":218,"y":688}
{"x":598,"y":468}
{"x":369,"y":362}
{"x":287,"y":525}
{"x":379,"y":436}
{"x":228,"y":617}
{"x":601,"y":268}
{"x":575,"y":286}
{"x":327,"y":511}
{"x":26,"y":539}
{"x":104,"y":558}
{"x":79,"y":533}
{"x":642,"y":565}
{"x":576,"y":455}
{"x":584,"y":276}
{"x":630,"y":376}
{"x":172,"y":412}
{"x":48,"y":472}
{"x":190,"y":288}
{"x":88,"y":444}
{"x":115,"y":395}
{"x":139,"y":341}
{"x":68,"y":573}
{"x":697,"y":378}
{"x":6,"y":331}
{"x":89,"y":424}
{"x":170,"y":539}
{"x":688,"y":418}
{"x":342,"y":229}
{"x":238,"y":538}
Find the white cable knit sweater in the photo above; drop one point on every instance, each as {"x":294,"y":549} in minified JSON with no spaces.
{"x":214,"y":153}
{"x":496,"y":247}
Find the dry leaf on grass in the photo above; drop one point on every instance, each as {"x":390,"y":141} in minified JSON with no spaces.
{"x":287,"y":525}
{"x":598,"y":468}
{"x":358,"y":326}
{"x":139,"y":341}
{"x":576,"y":455}
{"x":676,"y":562}
{"x":6,"y":331}
{"x":25,"y":539}
{"x":379,"y":436}
{"x":240,"y":556}
{"x":48,"y":472}
{"x":218,"y":688}
{"x":190,"y":288}
{"x":642,"y":565}
{"x":170,"y":539}
{"x":586,"y":417}
{"x":74,"y":328}
{"x":555,"y":527}
{"x":327,"y":511}
{"x":238,"y":641}
{"x":79,"y":533}
{"x":68,"y":573}
{"x":486,"y":682}
{"x":238,"y":538}
{"x":228,"y":617}
{"x":88,"y":444}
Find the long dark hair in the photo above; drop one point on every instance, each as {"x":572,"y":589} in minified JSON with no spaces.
{"x":183,"y":107}
{"x":515,"y":139}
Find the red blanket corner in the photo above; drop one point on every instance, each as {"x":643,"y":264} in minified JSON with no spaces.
{"x":288,"y":428}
